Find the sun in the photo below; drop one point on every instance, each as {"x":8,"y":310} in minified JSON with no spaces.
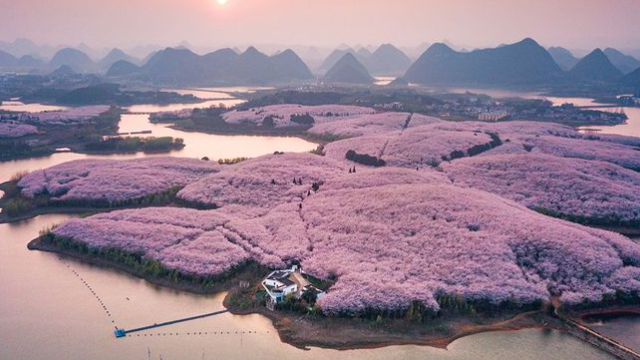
{"x":222,"y":2}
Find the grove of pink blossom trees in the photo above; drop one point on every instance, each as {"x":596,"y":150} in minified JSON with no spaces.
{"x":282,"y":114}
{"x":112,"y":180}
{"x":16,"y":130}
{"x":391,"y":237}
{"x":593,"y":190}
{"x":263,"y":182}
{"x":375,"y":124}
{"x":449,"y":214}
{"x":64,"y":117}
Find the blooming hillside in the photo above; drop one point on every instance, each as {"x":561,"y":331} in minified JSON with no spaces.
{"x":574,"y":187}
{"x":113,"y":180}
{"x":69,"y":116}
{"x":13,"y":130}
{"x":431,"y":144}
{"x":263,"y":182}
{"x":622,"y":155}
{"x":436,"y":217}
{"x":388,"y":241}
{"x":188,"y":240}
{"x":370,"y":178}
{"x":393,"y":244}
{"x":372,"y":124}
{"x":414,"y":148}
{"x":282,"y":114}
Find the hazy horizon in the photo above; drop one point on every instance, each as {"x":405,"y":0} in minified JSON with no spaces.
{"x":207,"y":24}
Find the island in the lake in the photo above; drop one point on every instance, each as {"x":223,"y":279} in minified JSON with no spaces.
{"x":86,"y":129}
{"x":401,"y":229}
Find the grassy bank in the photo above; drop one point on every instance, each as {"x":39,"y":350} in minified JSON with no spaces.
{"x":18,"y":207}
{"x":150,"y":270}
{"x":303,"y":329}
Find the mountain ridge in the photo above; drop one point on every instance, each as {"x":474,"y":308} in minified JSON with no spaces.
{"x":524,"y":63}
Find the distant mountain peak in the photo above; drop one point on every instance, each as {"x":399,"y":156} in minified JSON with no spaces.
{"x":528,"y":42}
{"x":349,"y":70}
{"x":349,"y":58}
{"x":253,"y":54}
{"x":288,"y":53}
{"x":7,"y":60}
{"x":116,"y":51}
{"x":563,"y":57}
{"x":625,"y":63}
{"x":74,"y":59}
{"x":252,"y":50}
{"x":289,"y":63}
{"x":596,"y":67}
{"x":114,"y":56}
{"x":122,"y":68}
{"x":363,"y":53}
{"x":63,"y":70}
{"x":440,"y":48}
{"x":224,"y":66}
{"x":388,"y":60}
{"x":524,"y":63}
{"x":334,"y":57}
{"x":386,"y":46}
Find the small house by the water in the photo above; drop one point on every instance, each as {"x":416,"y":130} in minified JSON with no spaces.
{"x":280,"y":283}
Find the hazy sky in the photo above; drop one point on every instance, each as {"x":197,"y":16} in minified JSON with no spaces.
{"x":470,"y":23}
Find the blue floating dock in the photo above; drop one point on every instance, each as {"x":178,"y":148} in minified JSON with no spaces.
{"x":120,"y":333}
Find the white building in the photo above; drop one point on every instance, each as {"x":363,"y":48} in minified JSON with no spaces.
{"x":280,"y":283}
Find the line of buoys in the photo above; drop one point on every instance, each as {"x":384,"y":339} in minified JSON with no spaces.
{"x":199,"y":333}
{"x":93,"y":292}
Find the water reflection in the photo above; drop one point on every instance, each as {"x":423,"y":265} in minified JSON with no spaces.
{"x":202,"y":94}
{"x":198,"y":145}
{"x":216,"y":146}
{"x":630,"y":128}
{"x":624,"y":328}
{"x":383,"y":80}
{"x":149,"y":108}
{"x":237,"y":89}
{"x":22,"y":107}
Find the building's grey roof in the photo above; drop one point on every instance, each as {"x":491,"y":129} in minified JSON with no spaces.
{"x":286,"y":281}
{"x":281,"y":276}
{"x":278,"y":274}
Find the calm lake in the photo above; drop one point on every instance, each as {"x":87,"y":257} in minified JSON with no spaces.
{"x":198,"y":145}
{"x":48,"y":310}
{"x":20,"y":106}
{"x":623,"y":328}
{"x":48,"y":313}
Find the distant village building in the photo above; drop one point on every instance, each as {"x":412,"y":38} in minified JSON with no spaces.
{"x":390,"y":106}
{"x":281,"y":283}
{"x":493,"y":116}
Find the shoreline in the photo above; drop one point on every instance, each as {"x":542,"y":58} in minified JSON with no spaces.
{"x":8,"y":194}
{"x":290,"y":133}
{"x":304,"y":332}
{"x":81,"y":151}
{"x":39,"y":245}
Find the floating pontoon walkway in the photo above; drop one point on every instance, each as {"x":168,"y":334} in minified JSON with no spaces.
{"x":122,"y":332}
